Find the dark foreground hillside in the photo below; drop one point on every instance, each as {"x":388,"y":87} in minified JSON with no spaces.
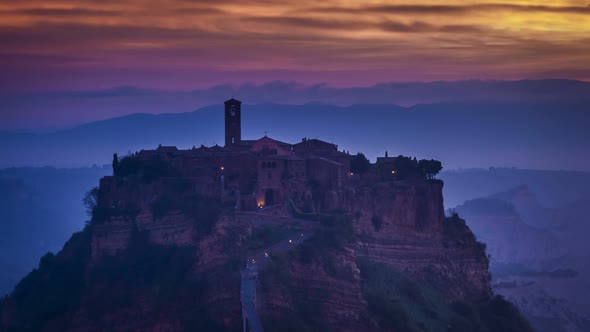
{"x":154,"y":287}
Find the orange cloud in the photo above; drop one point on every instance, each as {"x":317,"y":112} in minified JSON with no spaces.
{"x":386,"y":40}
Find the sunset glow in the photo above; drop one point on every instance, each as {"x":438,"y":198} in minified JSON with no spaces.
{"x":48,"y":45}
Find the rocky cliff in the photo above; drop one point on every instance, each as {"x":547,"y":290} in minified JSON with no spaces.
{"x":158,"y":257}
{"x":401,"y":249}
{"x":402,"y":224}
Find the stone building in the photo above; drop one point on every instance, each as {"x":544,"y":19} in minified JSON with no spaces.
{"x":256,"y":173}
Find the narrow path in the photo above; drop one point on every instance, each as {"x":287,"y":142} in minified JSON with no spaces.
{"x":249,"y":276}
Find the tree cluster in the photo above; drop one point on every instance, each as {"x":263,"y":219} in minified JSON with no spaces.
{"x":430,"y":168}
{"x":359,"y":164}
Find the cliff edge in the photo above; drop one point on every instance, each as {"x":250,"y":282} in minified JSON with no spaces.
{"x":161,"y":253}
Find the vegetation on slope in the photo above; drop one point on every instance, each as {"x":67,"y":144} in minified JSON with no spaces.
{"x":323,"y":248}
{"x":398,"y":303}
{"x":395,"y":302}
{"x":147,"y":282}
{"x":52,"y":289}
{"x":456,"y":232}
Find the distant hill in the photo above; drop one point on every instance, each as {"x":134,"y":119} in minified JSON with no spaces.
{"x":539,"y":255}
{"x":552,"y":188}
{"x":67,"y":108}
{"x":524,"y":135}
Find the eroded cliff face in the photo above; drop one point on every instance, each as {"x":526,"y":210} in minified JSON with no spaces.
{"x":173,"y":228}
{"x":296,"y":292}
{"x":153,"y":264}
{"x":210,"y":279}
{"x":137,"y":272}
{"x":397,"y":226}
{"x":402,"y":224}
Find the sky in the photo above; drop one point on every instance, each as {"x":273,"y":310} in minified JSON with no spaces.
{"x":55,"y":45}
{"x":66,"y":63}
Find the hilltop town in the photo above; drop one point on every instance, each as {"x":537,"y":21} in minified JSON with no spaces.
{"x":264,"y":234}
{"x":252,"y":174}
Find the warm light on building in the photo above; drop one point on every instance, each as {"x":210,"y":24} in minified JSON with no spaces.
{"x":222,"y":168}
{"x":393,"y":172}
{"x":260,"y":204}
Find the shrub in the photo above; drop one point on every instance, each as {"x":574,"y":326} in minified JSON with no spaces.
{"x":377,"y":222}
{"x":359,"y":164}
{"x":90,"y":200}
{"x":115,"y":164}
{"x":430,"y":167}
{"x":406,"y":167}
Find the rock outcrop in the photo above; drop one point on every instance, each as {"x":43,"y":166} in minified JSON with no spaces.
{"x":293,"y":292}
{"x":157,"y":257}
{"x":402,"y":224}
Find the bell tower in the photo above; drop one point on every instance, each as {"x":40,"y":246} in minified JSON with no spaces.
{"x":233,"y":125}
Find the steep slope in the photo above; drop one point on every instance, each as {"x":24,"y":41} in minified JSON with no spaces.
{"x":392,"y":261}
{"x":157,"y":256}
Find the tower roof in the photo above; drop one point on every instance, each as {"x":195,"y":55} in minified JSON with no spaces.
{"x":232,"y":101}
